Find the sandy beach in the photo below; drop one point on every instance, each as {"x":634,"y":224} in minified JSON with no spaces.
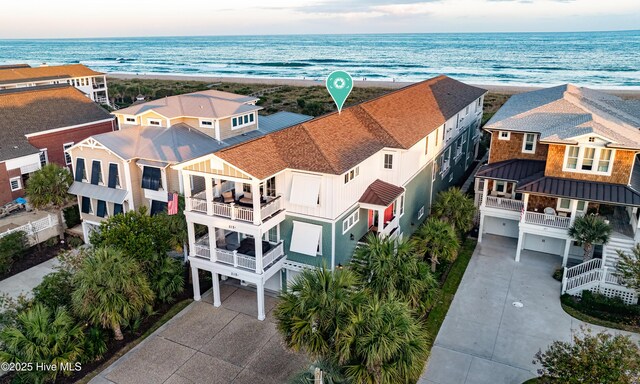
{"x":503,"y":89}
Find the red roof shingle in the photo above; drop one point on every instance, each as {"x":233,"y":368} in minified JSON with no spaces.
{"x":381,"y":193}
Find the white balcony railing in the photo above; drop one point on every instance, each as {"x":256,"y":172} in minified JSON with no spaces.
{"x":239,"y":260}
{"x":233,"y":211}
{"x":504,"y":203}
{"x":547,"y":220}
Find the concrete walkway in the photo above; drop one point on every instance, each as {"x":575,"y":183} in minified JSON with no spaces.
{"x":25,"y":281}
{"x":204,"y":344}
{"x":485,"y":338}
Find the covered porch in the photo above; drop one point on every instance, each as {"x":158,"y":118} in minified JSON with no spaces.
{"x":383,"y":204}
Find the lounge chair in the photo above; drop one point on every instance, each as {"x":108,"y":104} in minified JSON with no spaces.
{"x":227,"y":197}
{"x":247,"y":198}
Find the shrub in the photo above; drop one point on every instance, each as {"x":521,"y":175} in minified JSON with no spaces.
{"x":301,"y":102}
{"x":313,"y":108}
{"x":12,"y":246}
{"x":95,"y":344}
{"x":557,"y":274}
{"x":74,"y":241}
{"x":72,"y":216}
{"x":55,"y":290}
{"x":52,"y":242}
{"x":597,"y":302}
{"x":610,"y":359}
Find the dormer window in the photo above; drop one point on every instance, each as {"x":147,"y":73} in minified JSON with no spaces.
{"x":504,"y":135}
{"x":206,"y":123}
{"x":529,"y":143}
{"x":588,"y":159}
{"x":130,"y":120}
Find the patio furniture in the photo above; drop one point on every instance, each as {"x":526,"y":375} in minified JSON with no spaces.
{"x":550,"y":211}
{"x":247,"y":198}
{"x":563,"y":214}
{"x":227,"y":197}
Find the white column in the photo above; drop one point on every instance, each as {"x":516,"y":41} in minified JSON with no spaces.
{"x":574,"y":209}
{"x":216,"y":289}
{"x":180,"y":182}
{"x":525,"y":204}
{"x":481,"y":227}
{"x":258,"y":251}
{"x":485,"y":191}
{"x":196,"y":283}
{"x":260,"y":293}
{"x":186,"y":186}
{"x":257,"y":211}
{"x":191,"y":233}
{"x":209,"y":194}
{"x":380,"y":221}
{"x":519,"y":246}
{"x":565,"y":255}
{"x":212,"y":242}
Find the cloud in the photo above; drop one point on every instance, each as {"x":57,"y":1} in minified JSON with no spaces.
{"x":362,"y":6}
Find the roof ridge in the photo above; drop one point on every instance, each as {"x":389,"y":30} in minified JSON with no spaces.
{"x":362,"y":114}
{"x":313,"y":141}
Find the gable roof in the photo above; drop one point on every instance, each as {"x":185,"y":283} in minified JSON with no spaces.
{"x":34,"y":109}
{"x":22,"y":74}
{"x":381,"y":193}
{"x":336,"y":142}
{"x":204,"y":104}
{"x":559,"y":114}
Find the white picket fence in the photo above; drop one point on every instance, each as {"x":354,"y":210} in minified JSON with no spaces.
{"x":34,"y":227}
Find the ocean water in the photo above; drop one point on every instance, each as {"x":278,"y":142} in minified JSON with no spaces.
{"x":600,"y":59}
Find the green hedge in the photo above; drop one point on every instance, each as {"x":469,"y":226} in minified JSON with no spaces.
{"x":604,"y":308}
{"x":71,"y":216}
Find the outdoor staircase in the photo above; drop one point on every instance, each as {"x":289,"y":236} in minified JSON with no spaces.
{"x":616,"y":242}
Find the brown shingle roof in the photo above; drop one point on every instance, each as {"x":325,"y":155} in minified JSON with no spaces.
{"x":335,"y":143}
{"x":35,"y":109}
{"x":381,"y":193}
{"x":17,"y":75}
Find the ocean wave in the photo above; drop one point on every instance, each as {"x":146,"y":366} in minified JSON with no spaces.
{"x":292,"y":64}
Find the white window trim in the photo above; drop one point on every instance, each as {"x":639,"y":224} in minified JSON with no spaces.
{"x":46,"y":156}
{"x":347,"y":178}
{"x":100,"y":182}
{"x":19,"y":180}
{"x":243,"y":124}
{"x":384,"y":161}
{"x":67,"y":156}
{"x":401,"y":201}
{"x":201,"y":121}
{"x":420,"y":212}
{"x":159,"y":121}
{"x":596,"y":160}
{"x":118,"y":180}
{"x":354,"y":217}
{"x":561,"y":209}
{"x":86,"y":173}
{"x":524,"y":142}
{"x":495,"y":185}
{"x":126,"y":122}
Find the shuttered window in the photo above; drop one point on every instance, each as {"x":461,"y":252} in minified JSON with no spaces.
{"x":96,"y":173}
{"x":86,"y":204}
{"x":114,"y":178}
{"x":81,"y":172}
{"x":102,"y":208}
{"x":151,"y":178}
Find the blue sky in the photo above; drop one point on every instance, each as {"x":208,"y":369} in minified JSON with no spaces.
{"x":82,"y":18}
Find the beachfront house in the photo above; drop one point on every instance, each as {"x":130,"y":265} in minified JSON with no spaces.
{"x":132,"y":167}
{"x":37,"y":126}
{"x":305,"y":196}
{"x":91,"y":83}
{"x":557,"y":154}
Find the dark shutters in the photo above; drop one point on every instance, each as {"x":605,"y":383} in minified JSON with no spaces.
{"x":95,"y":172}
{"x":80,"y":172}
{"x":86,"y":204}
{"x":102,"y":208}
{"x":117,"y":208}
{"x":151,"y":178}
{"x":158,"y":207}
{"x":113,"y":175}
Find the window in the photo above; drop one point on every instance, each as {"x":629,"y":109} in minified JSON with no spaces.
{"x":437,"y":136}
{"x":15,"y":183}
{"x":86,"y":205}
{"x":529,"y":143}
{"x":504,"y":135}
{"x":81,"y":172}
{"x":445,"y":160}
{"x":206,"y":123}
{"x":572,"y":157}
{"x":480,"y":103}
{"x":96,"y":172}
{"x":350,"y":221}
{"x":420,"y":212}
{"x":564,"y":205}
{"x":271,"y":187}
{"x":466,"y":112}
{"x":401,"y":205}
{"x":500,"y":186}
{"x":117,"y":208}
{"x":582,"y":206}
{"x":435,"y":171}
{"x":592,"y":139}
{"x":67,"y":157}
{"x":426,"y":145}
{"x":605,"y":160}
{"x":151,"y":178}
{"x":587,"y":159}
{"x":243,"y":120}
{"x":388,"y":161}
{"x":114,"y":177}
{"x":130,"y":120}
{"x":43,"y":157}
{"x":272,"y":235}
{"x":352,"y":174}
{"x":155,"y":122}
{"x":102,"y":208}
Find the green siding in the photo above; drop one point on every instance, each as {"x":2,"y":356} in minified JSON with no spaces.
{"x":286,"y":229}
{"x":416,"y":196}
{"x":344,"y":245}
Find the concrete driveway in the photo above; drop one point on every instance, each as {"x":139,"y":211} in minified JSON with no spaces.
{"x":24,"y":282}
{"x":485,"y":338}
{"x":204,"y":344}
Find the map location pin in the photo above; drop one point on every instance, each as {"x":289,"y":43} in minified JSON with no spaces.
{"x":339,"y":85}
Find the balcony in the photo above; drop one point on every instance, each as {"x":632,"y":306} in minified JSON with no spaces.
{"x":234,"y":211}
{"x":547,"y":220}
{"x":240,"y":255}
{"x":504,"y":203}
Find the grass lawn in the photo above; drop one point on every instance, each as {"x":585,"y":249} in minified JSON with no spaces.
{"x":439,"y":311}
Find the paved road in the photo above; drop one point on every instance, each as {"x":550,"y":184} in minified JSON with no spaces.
{"x":485,"y":338}
{"x":25,"y":281}
{"x":204,"y":344}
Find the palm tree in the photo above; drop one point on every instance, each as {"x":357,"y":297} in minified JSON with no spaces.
{"x":589,"y":230}
{"x":390,"y":268}
{"x":438,"y":240}
{"x":315,"y":308}
{"x":42,"y":336}
{"x":456,"y":208}
{"x":48,"y":187}
{"x":110,"y":289}
{"x":167,"y":278}
{"x":383,"y":344}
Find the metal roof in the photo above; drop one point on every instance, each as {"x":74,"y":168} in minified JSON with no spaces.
{"x":582,"y":190}
{"x":518,"y":170}
{"x":99,"y":192}
{"x":280,"y":120}
{"x":381,"y":193}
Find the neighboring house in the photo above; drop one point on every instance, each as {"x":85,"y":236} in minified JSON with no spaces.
{"x":37,"y":125}
{"x":305,"y":196}
{"x":92,"y":83}
{"x":556,"y":154}
{"x":130,"y":168}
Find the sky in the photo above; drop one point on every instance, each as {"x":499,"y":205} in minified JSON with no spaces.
{"x":124,"y":18}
